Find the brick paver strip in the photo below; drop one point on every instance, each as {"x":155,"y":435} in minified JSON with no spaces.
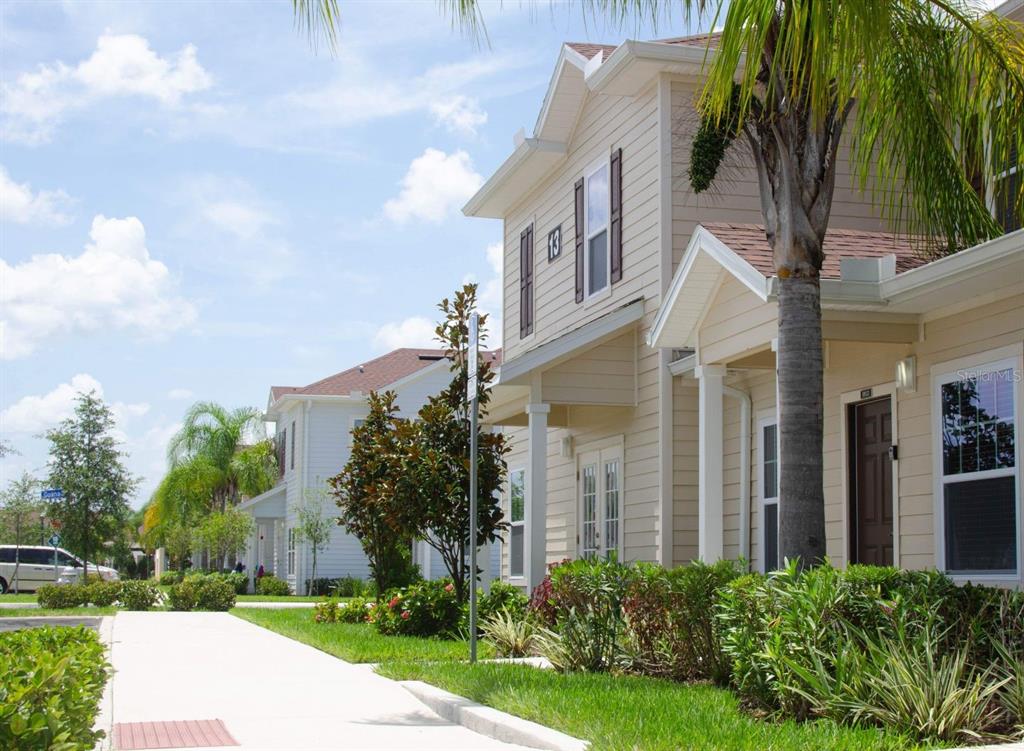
{"x":129,"y":736}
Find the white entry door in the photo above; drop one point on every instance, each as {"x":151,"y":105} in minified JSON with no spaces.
{"x":600,"y":494}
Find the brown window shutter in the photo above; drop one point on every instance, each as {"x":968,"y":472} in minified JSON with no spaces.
{"x":281,"y":439}
{"x":616,"y":215}
{"x":579,"y":240}
{"x":526,"y":282}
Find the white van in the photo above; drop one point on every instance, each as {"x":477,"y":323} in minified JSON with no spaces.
{"x":35,"y":567}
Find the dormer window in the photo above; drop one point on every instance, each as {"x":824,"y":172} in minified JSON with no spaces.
{"x":598,"y":209}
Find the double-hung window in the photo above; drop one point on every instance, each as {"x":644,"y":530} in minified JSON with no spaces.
{"x":516,"y":517}
{"x":978,"y":469}
{"x":598,"y":209}
{"x":768,"y":450}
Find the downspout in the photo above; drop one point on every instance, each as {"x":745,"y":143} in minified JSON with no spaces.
{"x":308,"y":405}
{"x":745,"y":410}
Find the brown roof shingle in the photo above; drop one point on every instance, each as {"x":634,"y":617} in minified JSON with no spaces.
{"x":372,"y":375}
{"x":588,"y":50}
{"x":749,"y":242}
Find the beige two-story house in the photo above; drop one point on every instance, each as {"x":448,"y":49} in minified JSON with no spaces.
{"x":638,"y":385}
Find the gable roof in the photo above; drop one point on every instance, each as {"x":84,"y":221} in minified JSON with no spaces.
{"x":589,"y":50}
{"x":373,"y":375}
{"x":749,"y":242}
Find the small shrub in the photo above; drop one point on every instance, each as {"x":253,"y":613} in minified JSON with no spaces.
{"x":512,"y":634}
{"x":271,"y":586}
{"x":356,"y":610}
{"x":61,"y":596}
{"x":1011,"y":696}
{"x":542,"y":604}
{"x":167,"y":578}
{"x":351,"y":586}
{"x":103,"y":594}
{"x":53,"y":680}
{"x":137,"y":594}
{"x":183,"y":596}
{"x":201,"y":593}
{"x":428,"y":608}
{"x":326,"y":612}
{"x":503,"y":598}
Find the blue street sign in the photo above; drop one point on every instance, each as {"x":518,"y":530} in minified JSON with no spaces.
{"x":54,"y":540}
{"x":50,"y":493}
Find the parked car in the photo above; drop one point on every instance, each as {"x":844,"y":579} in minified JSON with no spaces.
{"x":40,"y":564}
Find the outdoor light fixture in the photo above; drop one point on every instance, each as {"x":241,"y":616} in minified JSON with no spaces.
{"x":565,"y":451}
{"x":906,"y":374}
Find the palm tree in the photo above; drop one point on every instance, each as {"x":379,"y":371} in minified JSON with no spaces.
{"x":212,"y":454}
{"x":930,"y":95}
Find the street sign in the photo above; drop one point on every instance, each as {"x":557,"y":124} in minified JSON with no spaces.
{"x":54,"y":540}
{"x":51,"y":493}
{"x":473,"y":355}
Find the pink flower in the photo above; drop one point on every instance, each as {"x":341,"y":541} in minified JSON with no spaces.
{"x":394,"y":602}
{"x":405,"y":615}
{"x":449,"y":587}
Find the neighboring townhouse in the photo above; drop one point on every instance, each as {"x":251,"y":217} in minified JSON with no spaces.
{"x":637,"y":385}
{"x":314,"y":438}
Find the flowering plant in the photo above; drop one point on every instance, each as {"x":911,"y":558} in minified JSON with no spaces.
{"x":428,"y":608}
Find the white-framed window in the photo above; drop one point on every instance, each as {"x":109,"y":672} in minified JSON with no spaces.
{"x":1003,"y":189}
{"x":600,"y":499}
{"x":291,"y":551}
{"x":356,"y":423}
{"x":597,"y":246}
{"x":978,"y":505}
{"x":517,"y":521}
{"x":768,"y":482}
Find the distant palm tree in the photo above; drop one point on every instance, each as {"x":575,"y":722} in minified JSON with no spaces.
{"x":220,"y":451}
{"x":929,"y":92}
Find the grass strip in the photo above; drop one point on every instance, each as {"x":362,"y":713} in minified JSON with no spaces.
{"x":355,"y":642}
{"x":630,"y":712}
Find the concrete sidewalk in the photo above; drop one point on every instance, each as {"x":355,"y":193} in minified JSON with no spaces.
{"x":271,"y":692}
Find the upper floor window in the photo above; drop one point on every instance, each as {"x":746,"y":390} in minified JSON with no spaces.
{"x":292,"y":462}
{"x":597,"y":258}
{"x":1006,"y":188}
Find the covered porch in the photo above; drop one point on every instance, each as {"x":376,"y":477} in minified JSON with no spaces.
{"x":266,"y":546}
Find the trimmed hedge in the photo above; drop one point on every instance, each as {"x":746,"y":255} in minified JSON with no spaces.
{"x":52,"y":685}
{"x":200,"y":592}
{"x":62,"y":596}
{"x":270,"y":586}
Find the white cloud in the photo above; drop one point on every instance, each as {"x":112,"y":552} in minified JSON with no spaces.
{"x":33,"y":414}
{"x":434,"y":186}
{"x":19,"y":204}
{"x":179,"y":394}
{"x":113,"y":284}
{"x":121,"y":65}
{"x":489,"y":293}
{"x":459,"y":114}
{"x":412,"y":332}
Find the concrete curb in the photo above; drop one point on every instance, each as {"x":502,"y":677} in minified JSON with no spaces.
{"x":105,"y":717}
{"x":492,"y":723}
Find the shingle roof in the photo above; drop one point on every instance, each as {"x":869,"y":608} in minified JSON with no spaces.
{"x":749,"y":242}
{"x":588,"y":50}
{"x":372,"y":375}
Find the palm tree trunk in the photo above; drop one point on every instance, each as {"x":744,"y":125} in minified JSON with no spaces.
{"x":802,"y":501}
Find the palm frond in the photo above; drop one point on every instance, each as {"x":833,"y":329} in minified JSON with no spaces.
{"x":320,"y":20}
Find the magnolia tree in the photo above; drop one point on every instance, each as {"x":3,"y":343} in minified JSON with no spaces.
{"x":366,"y":494}
{"x":313,"y":525}
{"x":433,"y":475}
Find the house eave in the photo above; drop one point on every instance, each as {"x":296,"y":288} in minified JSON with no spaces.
{"x":529,"y":163}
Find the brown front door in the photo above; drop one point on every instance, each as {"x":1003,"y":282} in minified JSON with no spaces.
{"x":871,"y":475}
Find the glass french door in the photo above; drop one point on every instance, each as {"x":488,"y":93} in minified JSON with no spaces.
{"x":600,"y":493}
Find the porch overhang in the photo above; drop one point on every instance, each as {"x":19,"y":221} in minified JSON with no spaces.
{"x":268,"y":505}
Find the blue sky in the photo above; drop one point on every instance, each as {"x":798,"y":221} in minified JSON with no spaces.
{"x":196,"y":206}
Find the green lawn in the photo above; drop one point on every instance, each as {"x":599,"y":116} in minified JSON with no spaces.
{"x":20,"y":612}
{"x":25,"y":597}
{"x":282,"y":598}
{"x":354,"y":642}
{"x":625,"y":712}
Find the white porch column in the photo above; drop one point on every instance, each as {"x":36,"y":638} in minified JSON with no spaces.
{"x":709,"y":505}
{"x":535,"y":521}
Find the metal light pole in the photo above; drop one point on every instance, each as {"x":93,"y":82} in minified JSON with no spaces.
{"x":471,"y":388}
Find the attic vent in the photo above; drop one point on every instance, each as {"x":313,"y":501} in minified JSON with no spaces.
{"x":361,"y":370}
{"x":431,"y":358}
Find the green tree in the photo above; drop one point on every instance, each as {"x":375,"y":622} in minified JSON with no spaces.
{"x":313,"y":524}
{"x":20,"y":506}
{"x":366,"y":495}
{"x":930,"y":93}
{"x":88,"y":465}
{"x":224,"y":534}
{"x":178,"y":540}
{"x":433,"y":476}
{"x":221,"y":446}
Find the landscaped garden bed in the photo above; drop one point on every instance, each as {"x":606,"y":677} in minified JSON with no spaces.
{"x":53,"y":679}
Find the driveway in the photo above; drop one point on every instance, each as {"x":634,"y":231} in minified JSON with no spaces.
{"x":271,"y":692}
